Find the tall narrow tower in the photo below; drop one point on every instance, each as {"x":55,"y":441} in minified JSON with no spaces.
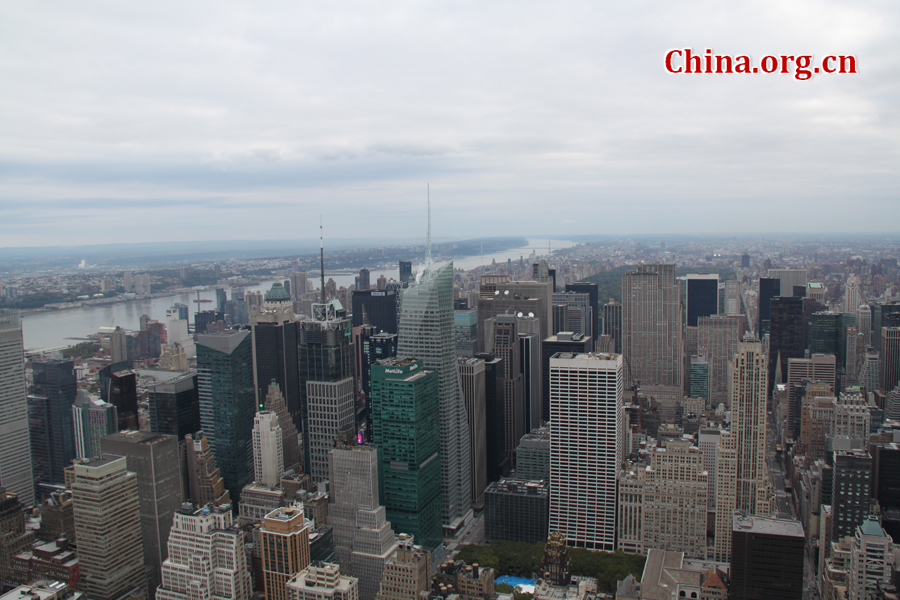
{"x":15,"y":455}
{"x":268,"y":448}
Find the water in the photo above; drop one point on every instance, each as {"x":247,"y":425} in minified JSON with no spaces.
{"x":55,"y":329}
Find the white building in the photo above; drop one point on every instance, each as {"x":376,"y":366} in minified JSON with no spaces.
{"x":789,"y":278}
{"x":206,"y":558}
{"x":15,"y":450}
{"x":871,"y":560}
{"x":586,"y":446}
{"x":268,"y":449}
{"x":851,"y":294}
{"x":177,"y":333}
{"x":322,"y":581}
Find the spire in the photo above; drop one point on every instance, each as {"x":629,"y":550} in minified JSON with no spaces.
{"x":322,"y":258}
{"x":428,"y":237}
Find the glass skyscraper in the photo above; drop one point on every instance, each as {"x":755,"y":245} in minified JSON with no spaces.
{"x":405,"y":409}
{"x":426,"y":332}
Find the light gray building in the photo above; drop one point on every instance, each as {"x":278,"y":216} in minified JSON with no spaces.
{"x":472,"y":379}
{"x":15,"y":451}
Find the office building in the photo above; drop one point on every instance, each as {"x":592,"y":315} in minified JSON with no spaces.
{"x":206,"y":557}
{"x":284,"y":541}
{"x":174,"y":403}
{"x":498,"y":464}
{"x":733,"y":303}
{"x":119,"y":388}
{"x":612,"y":323}
{"x":375,"y":307}
{"x":426,"y":332}
{"x":766,"y":558}
{"x":275,"y":336}
{"x":14,"y":537}
{"x":15,"y":452}
{"x":517,"y":510}
{"x":506,"y":348}
{"x":769,"y":288}
{"x":353,"y":480}
{"x":92,"y":421}
{"x":886,"y":473}
{"x":322,"y":581}
{"x":564,"y":341}
{"x":826,"y":335}
{"x":851,"y":294}
{"x":108,"y":528}
{"x":472,"y":382}
{"x":153,"y":457}
{"x":370,"y":347}
{"x":299,"y":285}
{"x":533,"y":298}
{"x":373,"y":545}
{"x":871,"y":561}
{"x":579,"y":312}
{"x":651,"y":326}
{"x":406,"y":408}
{"x":584,"y":287}
{"x":204,"y":481}
{"x":788,"y":278}
{"x":50,"y":413}
{"x":699,"y":378}
{"x":741,"y":480}
{"x":327,"y":384}
{"x":407,"y":573}
{"x":719,"y":337}
{"x":852,"y":482}
{"x":406,"y":275}
{"x":465,"y":332}
{"x":225,"y":383}
{"x":676,"y":486}
{"x":890,"y":359}
{"x":702,"y":298}
{"x":268,"y":449}
{"x":586,"y":394}
{"x":785,"y":333}
{"x":290,"y":440}
{"x":533,"y":455}
{"x":530,"y":357}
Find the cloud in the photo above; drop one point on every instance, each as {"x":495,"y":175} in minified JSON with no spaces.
{"x":232,"y":115}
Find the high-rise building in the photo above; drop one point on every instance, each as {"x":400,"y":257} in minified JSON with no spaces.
{"x":785,"y":332}
{"x":826,"y":335}
{"x":699,"y":378}
{"x":15,"y":451}
{"x":890,"y":358}
{"x":268,"y":449}
{"x":204,"y":482}
{"x":407,"y":573}
{"x":465,"y":332}
{"x":741,"y":480}
{"x":702,"y":298}
{"x":225,"y":382}
{"x":322,"y":581}
{"x":118,"y":386}
{"x":871,"y":561}
{"x":93,"y":420}
{"x":675,"y":500}
{"x":14,"y":537}
{"x":651,"y":326}
{"x":284,"y":541}
{"x":719,"y":336}
{"x":534,"y":298}
{"x":852,"y":481}
{"x":533,"y":455}
{"x":406,"y":408}
{"x":851,"y":294}
{"x":766,"y":558}
{"x":327,"y":384}
{"x":864,"y":323}
{"x":472,"y":380}
{"x":364,"y":282}
{"x":153,"y":457}
{"x":530,"y":356}
{"x":174,"y":403}
{"x":406,"y":271}
{"x":591,"y":289}
{"x":353,"y":479}
{"x":586,"y":394}
{"x":275,"y":337}
{"x":517,"y":510}
{"x":506,"y":348}
{"x":768,"y":288}
{"x":50,"y":414}
{"x":426,"y":332}
{"x":369,"y":348}
{"x":299,"y":285}
{"x":108,"y":528}
{"x":788,"y":278}
{"x":375,"y":307}
{"x":206,"y":557}
{"x":290,"y":440}
{"x":612,"y":323}
{"x":579,"y":314}
{"x":564,"y":341}
{"x":733,"y":297}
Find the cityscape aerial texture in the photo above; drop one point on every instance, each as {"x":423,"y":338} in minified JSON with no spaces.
{"x":450,"y":300}
{"x":419,"y":436}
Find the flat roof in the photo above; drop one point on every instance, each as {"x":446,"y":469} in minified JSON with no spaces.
{"x":766,"y":525}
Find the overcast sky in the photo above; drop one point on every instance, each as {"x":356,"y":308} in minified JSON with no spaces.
{"x":156,"y":121}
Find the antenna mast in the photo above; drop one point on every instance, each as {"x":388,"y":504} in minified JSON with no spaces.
{"x":428,"y":237}
{"x":322,"y":258}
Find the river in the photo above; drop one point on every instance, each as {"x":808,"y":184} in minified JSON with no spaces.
{"x":61,"y":328}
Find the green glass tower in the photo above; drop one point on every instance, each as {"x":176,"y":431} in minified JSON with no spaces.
{"x":228,"y":403}
{"x":406,"y":409}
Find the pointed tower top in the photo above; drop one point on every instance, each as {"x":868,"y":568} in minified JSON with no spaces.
{"x":428,"y":260}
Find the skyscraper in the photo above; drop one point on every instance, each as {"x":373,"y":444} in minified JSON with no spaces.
{"x":579,"y":313}
{"x":586,"y":394}
{"x":767,"y":558}
{"x":327,"y":384}
{"x":275,"y":338}
{"x":871,"y":560}
{"x":369,"y":348}
{"x":472,"y":378}
{"x":890,"y":358}
{"x":299,"y":283}
{"x":377,"y":307}
{"x":290,"y":443}
{"x":719,"y":336}
{"x":827,"y":335}
{"x":733,"y":297}
{"x":93,"y":420}
{"x":225,"y":378}
{"x":612,"y":323}
{"x":702,"y":296}
{"x":108,"y":528}
{"x":205,"y":484}
{"x":50,"y":412}
{"x":506,"y":348}
{"x":406,"y":409}
{"x":851,"y":294}
{"x":268,"y":449}
{"x":591,"y":289}
{"x":406,"y":271}
{"x":426,"y":332}
{"x":768,"y":289}
{"x":15,"y":451}
{"x":284,"y":540}
{"x":741,"y":481}
{"x":206,"y":557}
{"x":788,"y":278}
{"x":174,"y":404}
{"x":785,"y":333}
{"x":153,"y":457}
{"x":651,"y":326}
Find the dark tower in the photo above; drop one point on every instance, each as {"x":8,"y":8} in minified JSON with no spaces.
{"x":768,"y":288}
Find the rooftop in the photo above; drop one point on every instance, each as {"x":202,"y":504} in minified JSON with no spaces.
{"x":766,"y":525}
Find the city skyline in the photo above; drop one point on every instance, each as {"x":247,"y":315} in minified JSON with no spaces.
{"x":244,"y":112}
